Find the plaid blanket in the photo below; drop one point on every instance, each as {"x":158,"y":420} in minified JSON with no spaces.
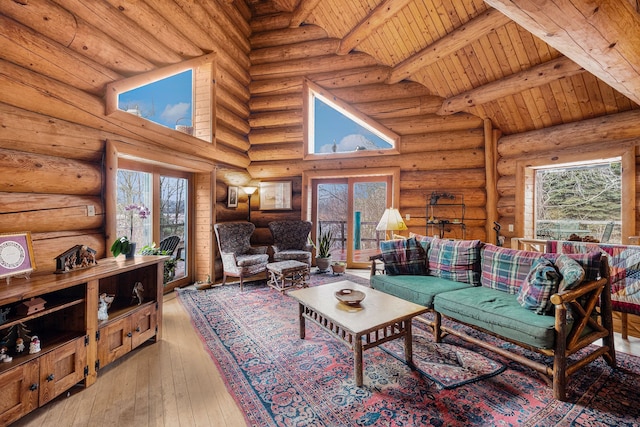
{"x":624,"y":265}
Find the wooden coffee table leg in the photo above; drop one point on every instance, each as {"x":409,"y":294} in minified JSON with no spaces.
{"x":302,"y":321}
{"x":357,"y":360}
{"x":408,"y":344}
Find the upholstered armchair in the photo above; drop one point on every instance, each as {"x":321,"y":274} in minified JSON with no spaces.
{"x":239,"y":258}
{"x":291,"y":240}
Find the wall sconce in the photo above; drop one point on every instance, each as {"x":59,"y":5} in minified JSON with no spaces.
{"x":249,"y":190}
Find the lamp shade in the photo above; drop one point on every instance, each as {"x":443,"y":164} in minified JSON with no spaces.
{"x":391,"y":220}
{"x":249,"y":190}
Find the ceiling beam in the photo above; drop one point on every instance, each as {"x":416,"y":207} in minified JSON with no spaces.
{"x":302,"y":12}
{"x":515,"y":83}
{"x":447,"y":45}
{"x":602,"y":36}
{"x":375,"y":19}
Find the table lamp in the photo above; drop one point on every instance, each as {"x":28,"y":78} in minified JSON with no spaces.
{"x":249,"y":190}
{"x":391,"y":220}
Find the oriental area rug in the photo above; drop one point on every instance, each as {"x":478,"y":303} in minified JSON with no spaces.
{"x":280,"y":380}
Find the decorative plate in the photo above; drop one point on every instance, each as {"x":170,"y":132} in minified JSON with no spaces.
{"x":350,"y":296}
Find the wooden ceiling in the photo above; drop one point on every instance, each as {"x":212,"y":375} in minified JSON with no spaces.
{"x":480,"y":61}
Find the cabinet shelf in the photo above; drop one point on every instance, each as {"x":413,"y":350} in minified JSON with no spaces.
{"x":57,"y":306}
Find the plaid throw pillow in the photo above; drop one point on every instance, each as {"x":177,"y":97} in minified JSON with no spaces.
{"x":403,"y":256}
{"x":506,"y":269}
{"x":590,"y":262}
{"x":457,"y":260}
{"x":541,"y":282}
{"x":571,"y":271}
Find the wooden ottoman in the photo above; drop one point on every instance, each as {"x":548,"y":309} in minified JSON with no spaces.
{"x":287,"y":274}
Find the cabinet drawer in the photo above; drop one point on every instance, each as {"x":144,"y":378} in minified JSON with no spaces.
{"x":19,"y":391}
{"x":61,"y":368}
{"x":115,"y":341}
{"x":143,"y":325}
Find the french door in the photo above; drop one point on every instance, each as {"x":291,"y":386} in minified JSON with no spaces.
{"x":351,"y":207}
{"x":164,"y":194}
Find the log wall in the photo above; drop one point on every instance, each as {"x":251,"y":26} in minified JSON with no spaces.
{"x":56,"y":58}
{"x":436,"y":153}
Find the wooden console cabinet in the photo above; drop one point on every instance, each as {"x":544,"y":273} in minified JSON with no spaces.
{"x":74,"y":343}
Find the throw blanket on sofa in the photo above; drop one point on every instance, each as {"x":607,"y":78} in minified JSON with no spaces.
{"x":624,"y":265}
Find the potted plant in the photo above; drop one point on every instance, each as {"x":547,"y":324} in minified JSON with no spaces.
{"x":323,"y":250}
{"x":122,"y":245}
{"x":169,"y":264}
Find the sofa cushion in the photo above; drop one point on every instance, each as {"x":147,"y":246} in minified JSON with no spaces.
{"x":505,"y":269}
{"x":457,"y":260}
{"x":571,"y":271}
{"x":541,"y":282}
{"x":497,"y":312}
{"x":417,"y":289}
{"x":403,"y":256}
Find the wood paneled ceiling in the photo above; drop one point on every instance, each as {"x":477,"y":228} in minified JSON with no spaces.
{"x":480,"y":61}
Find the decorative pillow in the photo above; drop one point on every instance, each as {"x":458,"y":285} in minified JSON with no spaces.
{"x":541,"y":282}
{"x":403,"y":256}
{"x":425,"y":241}
{"x":571,"y":271}
{"x":457,"y":260}
{"x":506,"y":269}
{"x":590,"y":262}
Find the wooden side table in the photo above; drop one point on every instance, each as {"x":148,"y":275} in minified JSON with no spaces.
{"x":287,"y":274}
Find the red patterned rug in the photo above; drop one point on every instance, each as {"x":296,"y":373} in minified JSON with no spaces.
{"x":281,"y":380}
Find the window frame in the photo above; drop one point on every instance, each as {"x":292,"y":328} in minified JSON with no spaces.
{"x":311,"y":91}
{"x":114,"y":89}
{"x":525,"y":175}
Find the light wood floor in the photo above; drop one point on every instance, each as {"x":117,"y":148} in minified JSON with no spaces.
{"x":170,"y":383}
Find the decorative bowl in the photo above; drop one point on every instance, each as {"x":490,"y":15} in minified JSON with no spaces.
{"x":350,"y":296}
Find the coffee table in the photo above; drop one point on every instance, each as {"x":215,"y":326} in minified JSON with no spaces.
{"x":377,"y":319}
{"x":286,"y":274}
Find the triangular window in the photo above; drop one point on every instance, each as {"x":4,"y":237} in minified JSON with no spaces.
{"x":335,"y":128}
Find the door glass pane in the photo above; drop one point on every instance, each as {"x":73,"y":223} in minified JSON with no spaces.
{"x":134,"y":216}
{"x":173,"y":218}
{"x":369,"y":202}
{"x":332,"y":215}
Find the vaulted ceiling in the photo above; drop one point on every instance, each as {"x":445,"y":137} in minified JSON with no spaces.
{"x":525,"y":64}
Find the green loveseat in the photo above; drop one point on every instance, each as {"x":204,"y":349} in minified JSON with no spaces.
{"x":481,"y":286}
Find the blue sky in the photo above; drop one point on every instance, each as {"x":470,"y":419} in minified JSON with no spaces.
{"x":167,"y":102}
{"x":331,"y":125}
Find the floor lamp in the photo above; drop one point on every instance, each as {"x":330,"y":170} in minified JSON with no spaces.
{"x":391,"y":220}
{"x":249,"y":191}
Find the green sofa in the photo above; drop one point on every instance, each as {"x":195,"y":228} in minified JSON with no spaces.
{"x":507,"y":293}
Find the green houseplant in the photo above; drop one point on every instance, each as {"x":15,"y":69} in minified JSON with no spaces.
{"x":323,"y":250}
{"x":169,"y":264}
{"x":122,"y":245}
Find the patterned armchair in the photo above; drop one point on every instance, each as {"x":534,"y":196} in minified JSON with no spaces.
{"x":239,"y":259}
{"x":290,"y":240}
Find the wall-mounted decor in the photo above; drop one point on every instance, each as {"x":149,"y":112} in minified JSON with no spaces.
{"x":232,"y":197}
{"x":16,"y":255}
{"x":275,"y":195}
